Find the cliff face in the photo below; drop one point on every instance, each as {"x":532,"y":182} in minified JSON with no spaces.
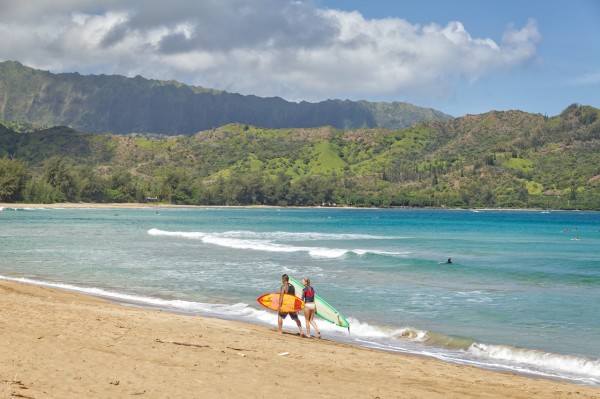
{"x":116,"y":104}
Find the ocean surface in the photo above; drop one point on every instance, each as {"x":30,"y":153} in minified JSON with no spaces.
{"x":522,"y":293}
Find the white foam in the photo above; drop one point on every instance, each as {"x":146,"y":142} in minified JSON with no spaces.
{"x":305,"y":236}
{"x":376,"y":252}
{"x":23,"y":208}
{"x":265,"y":242}
{"x":405,"y":339}
{"x":223,"y":310}
{"x":157,"y":232}
{"x":544,"y":360}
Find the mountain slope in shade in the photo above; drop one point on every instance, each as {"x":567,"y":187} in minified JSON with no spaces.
{"x":117,"y":104}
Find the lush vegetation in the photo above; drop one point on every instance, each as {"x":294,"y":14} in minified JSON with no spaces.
{"x":498,"y":159}
{"x":116,"y":104}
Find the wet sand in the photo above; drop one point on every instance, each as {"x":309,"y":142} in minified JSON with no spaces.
{"x":59,"y":344}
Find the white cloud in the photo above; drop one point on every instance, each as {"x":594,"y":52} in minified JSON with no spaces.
{"x":266,"y":47}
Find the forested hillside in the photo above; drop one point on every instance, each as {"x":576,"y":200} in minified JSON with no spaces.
{"x":498,"y":159}
{"x":116,"y":104}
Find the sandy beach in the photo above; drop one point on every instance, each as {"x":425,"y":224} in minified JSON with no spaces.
{"x":58,"y":344}
{"x":90,"y":205}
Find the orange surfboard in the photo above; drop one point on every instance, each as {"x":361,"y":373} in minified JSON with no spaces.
{"x":290,"y":304}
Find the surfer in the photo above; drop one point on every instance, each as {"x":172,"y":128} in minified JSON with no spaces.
{"x":308,"y":296}
{"x":287,"y":288}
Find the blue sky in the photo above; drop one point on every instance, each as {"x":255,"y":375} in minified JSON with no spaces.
{"x":566,"y":68}
{"x":460,"y":57}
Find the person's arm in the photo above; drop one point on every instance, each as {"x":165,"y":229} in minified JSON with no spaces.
{"x":282,"y":292}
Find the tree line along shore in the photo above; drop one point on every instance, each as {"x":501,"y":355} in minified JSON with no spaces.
{"x":496,"y":160}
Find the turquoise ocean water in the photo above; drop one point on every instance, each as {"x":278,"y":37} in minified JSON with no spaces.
{"x":522,"y":293}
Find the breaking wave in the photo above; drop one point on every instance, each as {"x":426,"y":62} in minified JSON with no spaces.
{"x":279,"y":242}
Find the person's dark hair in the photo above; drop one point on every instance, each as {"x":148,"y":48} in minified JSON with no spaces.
{"x":285,"y":277}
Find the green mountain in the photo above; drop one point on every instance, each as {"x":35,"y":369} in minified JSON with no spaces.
{"x":507,"y":159}
{"x":116,"y":104}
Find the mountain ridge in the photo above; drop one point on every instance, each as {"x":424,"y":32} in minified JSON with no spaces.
{"x":118,"y":104}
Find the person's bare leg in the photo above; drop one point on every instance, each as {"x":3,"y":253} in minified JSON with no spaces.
{"x":314,"y":324}
{"x":307,"y":321}
{"x":300,"y":327}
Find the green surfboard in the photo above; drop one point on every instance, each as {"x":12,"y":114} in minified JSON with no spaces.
{"x":324,"y":310}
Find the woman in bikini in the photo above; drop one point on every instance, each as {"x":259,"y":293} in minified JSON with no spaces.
{"x":308,"y":296}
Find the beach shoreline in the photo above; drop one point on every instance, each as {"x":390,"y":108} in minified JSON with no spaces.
{"x":111,"y":205}
{"x":152,"y":205}
{"x":70,"y":345}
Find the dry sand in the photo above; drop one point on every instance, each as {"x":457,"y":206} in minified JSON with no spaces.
{"x":58,"y":344}
{"x":89,"y":205}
